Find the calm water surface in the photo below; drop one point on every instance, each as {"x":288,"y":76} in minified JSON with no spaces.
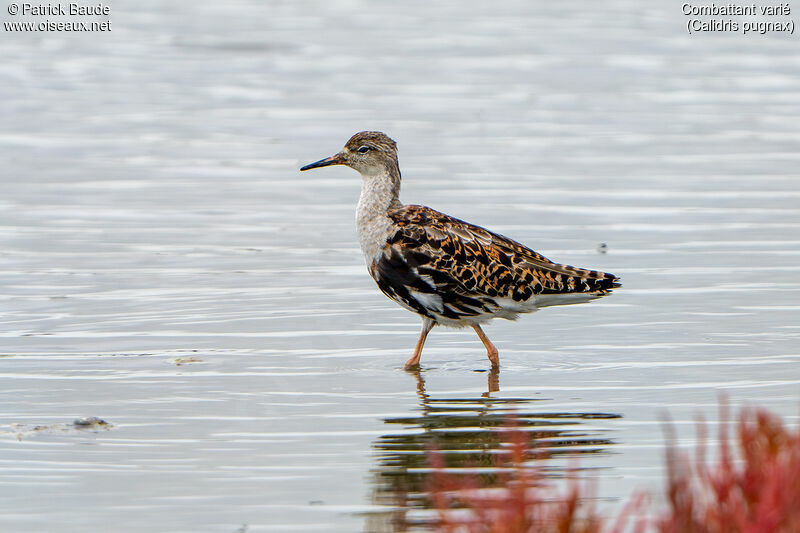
{"x":165,"y":266}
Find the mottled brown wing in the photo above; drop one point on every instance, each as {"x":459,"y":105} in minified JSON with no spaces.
{"x":475,"y":262}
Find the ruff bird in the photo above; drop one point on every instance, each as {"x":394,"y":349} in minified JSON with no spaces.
{"x":450,"y":272}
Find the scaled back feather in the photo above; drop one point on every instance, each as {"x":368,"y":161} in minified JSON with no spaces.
{"x":448,"y":270}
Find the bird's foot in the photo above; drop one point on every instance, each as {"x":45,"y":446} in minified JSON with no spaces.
{"x":412,"y":364}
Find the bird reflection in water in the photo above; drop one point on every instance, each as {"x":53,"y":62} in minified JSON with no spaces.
{"x":468,"y":433}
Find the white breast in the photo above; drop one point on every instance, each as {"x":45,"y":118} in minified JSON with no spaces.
{"x":372,"y":235}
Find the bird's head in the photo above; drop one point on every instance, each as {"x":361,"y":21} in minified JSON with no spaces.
{"x":371,"y":153}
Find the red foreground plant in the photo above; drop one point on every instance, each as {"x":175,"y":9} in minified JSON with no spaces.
{"x":756,"y":492}
{"x":759,"y":493}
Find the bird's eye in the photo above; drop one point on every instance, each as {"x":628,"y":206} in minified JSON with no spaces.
{"x":363,"y":150}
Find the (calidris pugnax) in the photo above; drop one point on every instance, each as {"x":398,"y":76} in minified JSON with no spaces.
{"x":450,"y":272}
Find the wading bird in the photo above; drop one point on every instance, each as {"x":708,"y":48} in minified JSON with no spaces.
{"x":450,"y":272}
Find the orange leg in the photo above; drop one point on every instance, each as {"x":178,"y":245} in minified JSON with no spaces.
{"x":427,"y":326}
{"x":491,"y":351}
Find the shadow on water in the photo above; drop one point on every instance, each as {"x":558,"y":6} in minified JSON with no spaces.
{"x":468,"y":432}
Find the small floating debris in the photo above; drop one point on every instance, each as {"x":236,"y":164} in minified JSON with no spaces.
{"x":78,"y":426}
{"x":602,"y":248}
{"x":89,"y":421}
{"x":180,"y":361}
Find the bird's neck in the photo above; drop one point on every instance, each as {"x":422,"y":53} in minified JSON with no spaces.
{"x":380,"y":193}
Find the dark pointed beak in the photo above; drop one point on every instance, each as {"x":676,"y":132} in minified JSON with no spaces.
{"x":337,"y":159}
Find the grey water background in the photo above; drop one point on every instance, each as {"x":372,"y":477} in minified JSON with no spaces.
{"x":167,"y":268}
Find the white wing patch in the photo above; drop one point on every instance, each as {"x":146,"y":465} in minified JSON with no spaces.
{"x":428,"y":300}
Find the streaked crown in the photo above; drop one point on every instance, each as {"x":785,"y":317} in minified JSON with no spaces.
{"x":372,"y":140}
